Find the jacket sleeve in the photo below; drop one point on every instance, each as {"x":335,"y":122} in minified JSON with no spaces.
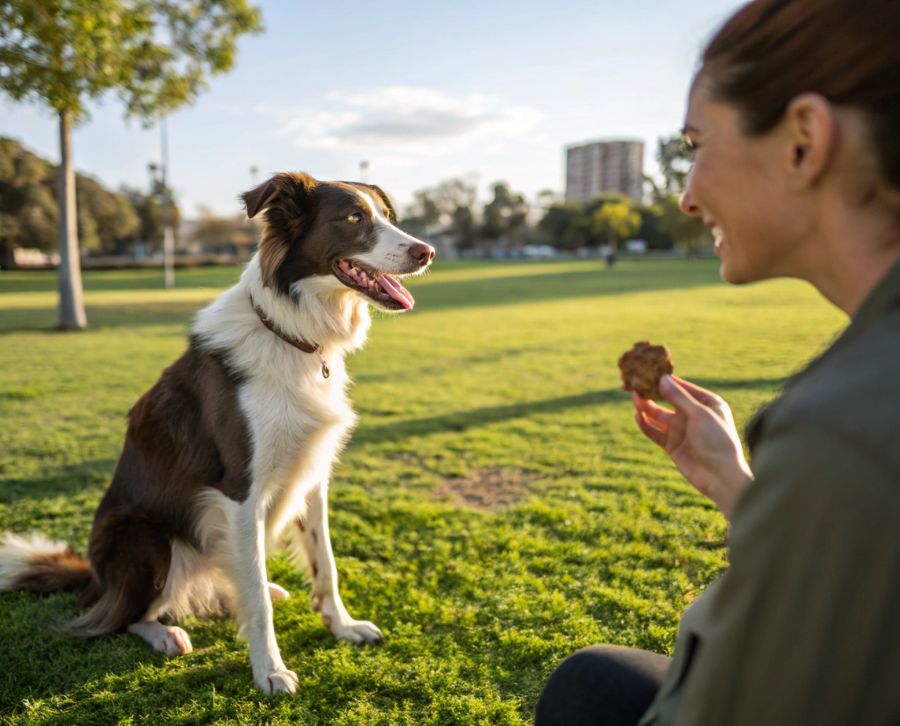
{"x":804,"y":627}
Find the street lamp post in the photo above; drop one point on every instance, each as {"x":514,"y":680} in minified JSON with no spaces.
{"x":168,"y":231}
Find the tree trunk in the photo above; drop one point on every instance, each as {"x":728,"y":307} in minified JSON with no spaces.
{"x":71,"y":295}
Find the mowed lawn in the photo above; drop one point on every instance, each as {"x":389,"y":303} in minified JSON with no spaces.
{"x":496,"y":509}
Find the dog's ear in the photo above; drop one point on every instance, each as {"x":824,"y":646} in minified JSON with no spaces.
{"x":380,"y":193}
{"x":287,"y":200}
{"x":259,"y":197}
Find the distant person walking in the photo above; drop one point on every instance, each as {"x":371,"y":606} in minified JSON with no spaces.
{"x":794,"y":117}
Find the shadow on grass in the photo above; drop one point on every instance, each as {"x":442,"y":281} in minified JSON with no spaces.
{"x":442,"y":364}
{"x":66,"y":481}
{"x":91,"y":675}
{"x":95,"y":280}
{"x":593,"y":281}
{"x":474,"y":418}
{"x":44,"y":320}
{"x":741,"y":384}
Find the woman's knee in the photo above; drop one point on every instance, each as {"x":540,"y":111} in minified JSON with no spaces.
{"x":601,"y":684}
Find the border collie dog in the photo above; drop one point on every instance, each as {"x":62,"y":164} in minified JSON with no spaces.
{"x":233,"y":446}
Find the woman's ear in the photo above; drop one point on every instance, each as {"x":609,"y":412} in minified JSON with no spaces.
{"x":811,"y":126}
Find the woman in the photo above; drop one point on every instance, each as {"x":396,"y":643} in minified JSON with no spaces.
{"x":794,"y":116}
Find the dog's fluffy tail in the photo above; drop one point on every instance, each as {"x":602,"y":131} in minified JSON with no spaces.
{"x":36,"y":564}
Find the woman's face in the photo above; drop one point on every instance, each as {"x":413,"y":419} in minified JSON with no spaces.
{"x":736,"y":186}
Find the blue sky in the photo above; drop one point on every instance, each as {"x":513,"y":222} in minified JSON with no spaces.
{"x":423,"y":91}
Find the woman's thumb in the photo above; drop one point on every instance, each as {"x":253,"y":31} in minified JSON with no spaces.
{"x":675,"y":394}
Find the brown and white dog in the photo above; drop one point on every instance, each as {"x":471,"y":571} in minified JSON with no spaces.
{"x":233,"y":446}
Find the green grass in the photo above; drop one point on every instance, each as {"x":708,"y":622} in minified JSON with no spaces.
{"x":501,"y":387}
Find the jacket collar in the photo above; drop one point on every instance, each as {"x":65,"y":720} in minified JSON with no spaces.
{"x":884,"y":298}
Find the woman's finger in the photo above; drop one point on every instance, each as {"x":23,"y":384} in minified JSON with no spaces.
{"x":647,"y":405}
{"x":655,"y":435}
{"x":704,"y":396}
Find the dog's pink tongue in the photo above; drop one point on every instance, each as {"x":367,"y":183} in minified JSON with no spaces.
{"x":396,"y":291}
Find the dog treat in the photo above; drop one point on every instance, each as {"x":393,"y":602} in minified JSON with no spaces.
{"x":642,"y":367}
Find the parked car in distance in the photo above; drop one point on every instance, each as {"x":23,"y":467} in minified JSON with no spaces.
{"x":538,"y":252}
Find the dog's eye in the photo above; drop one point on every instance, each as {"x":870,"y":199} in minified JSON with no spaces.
{"x":355,"y":218}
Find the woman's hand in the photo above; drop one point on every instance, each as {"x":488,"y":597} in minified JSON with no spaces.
{"x":700,"y":437}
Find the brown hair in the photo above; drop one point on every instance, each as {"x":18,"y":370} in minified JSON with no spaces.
{"x":770,"y":51}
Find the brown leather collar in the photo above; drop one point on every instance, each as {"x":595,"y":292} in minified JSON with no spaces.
{"x":296,"y":342}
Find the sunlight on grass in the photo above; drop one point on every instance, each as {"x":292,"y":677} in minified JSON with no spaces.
{"x":504,"y":376}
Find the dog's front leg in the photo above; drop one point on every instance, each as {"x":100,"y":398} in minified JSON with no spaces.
{"x":255,"y":603}
{"x":323,"y":572}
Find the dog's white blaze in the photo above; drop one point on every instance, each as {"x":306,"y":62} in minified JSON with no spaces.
{"x":391,"y":251}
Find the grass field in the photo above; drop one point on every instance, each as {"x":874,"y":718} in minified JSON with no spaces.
{"x":496,"y":509}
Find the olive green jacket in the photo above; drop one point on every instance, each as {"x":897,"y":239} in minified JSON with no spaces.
{"x":804,"y":626}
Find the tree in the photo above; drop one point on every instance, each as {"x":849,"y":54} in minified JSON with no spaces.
{"x":616,"y":221}
{"x":105,"y":219}
{"x":147,"y":208}
{"x":446,"y":207}
{"x":154,"y":53}
{"x":505,"y":215}
{"x":675,"y":164}
{"x":223,"y":235}
{"x":560,"y":225}
{"x":689,"y":232}
{"x":28,"y":212}
{"x":455,"y":199}
{"x":423,"y":215}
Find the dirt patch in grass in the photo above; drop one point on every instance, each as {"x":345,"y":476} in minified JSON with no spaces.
{"x":491,"y":487}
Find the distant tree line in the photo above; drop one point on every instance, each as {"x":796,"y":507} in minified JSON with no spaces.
{"x":109,"y":222}
{"x":116,"y":222}
{"x":507,"y":220}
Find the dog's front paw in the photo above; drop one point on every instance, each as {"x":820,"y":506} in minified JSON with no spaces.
{"x":279,"y":681}
{"x":336,"y":618}
{"x":357,"y":631}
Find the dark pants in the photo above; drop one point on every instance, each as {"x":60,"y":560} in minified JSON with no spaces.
{"x":601,"y":685}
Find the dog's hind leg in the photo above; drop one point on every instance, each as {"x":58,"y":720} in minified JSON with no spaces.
{"x":131,"y":559}
{"x":167,"y":639}
{"x":326,"y":598}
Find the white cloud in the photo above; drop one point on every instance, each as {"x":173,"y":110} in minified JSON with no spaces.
{"x":407,"y":119}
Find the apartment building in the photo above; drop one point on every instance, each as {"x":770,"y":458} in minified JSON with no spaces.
{"x":604,"y":167}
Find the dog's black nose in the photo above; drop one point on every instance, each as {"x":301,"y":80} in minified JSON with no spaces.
{"x":421,"y":252}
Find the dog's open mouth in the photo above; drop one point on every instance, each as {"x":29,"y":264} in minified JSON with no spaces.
{"x":384,"y":289}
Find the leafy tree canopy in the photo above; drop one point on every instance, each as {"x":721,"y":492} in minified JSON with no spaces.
{"x":154,"y":53}
{"x":29,"y":210}
{"x":616,"y":220}
{"x":674,"y":160}
{"x":505,"y":215}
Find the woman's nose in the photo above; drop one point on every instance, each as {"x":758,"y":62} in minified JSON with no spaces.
{"x":686,"y":205}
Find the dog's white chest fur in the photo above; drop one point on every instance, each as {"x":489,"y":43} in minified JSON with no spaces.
{"x":297,"y":429}
{"x":297,"y":419}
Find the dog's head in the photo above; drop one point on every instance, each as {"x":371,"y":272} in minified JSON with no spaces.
{"x":340,"y":230}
